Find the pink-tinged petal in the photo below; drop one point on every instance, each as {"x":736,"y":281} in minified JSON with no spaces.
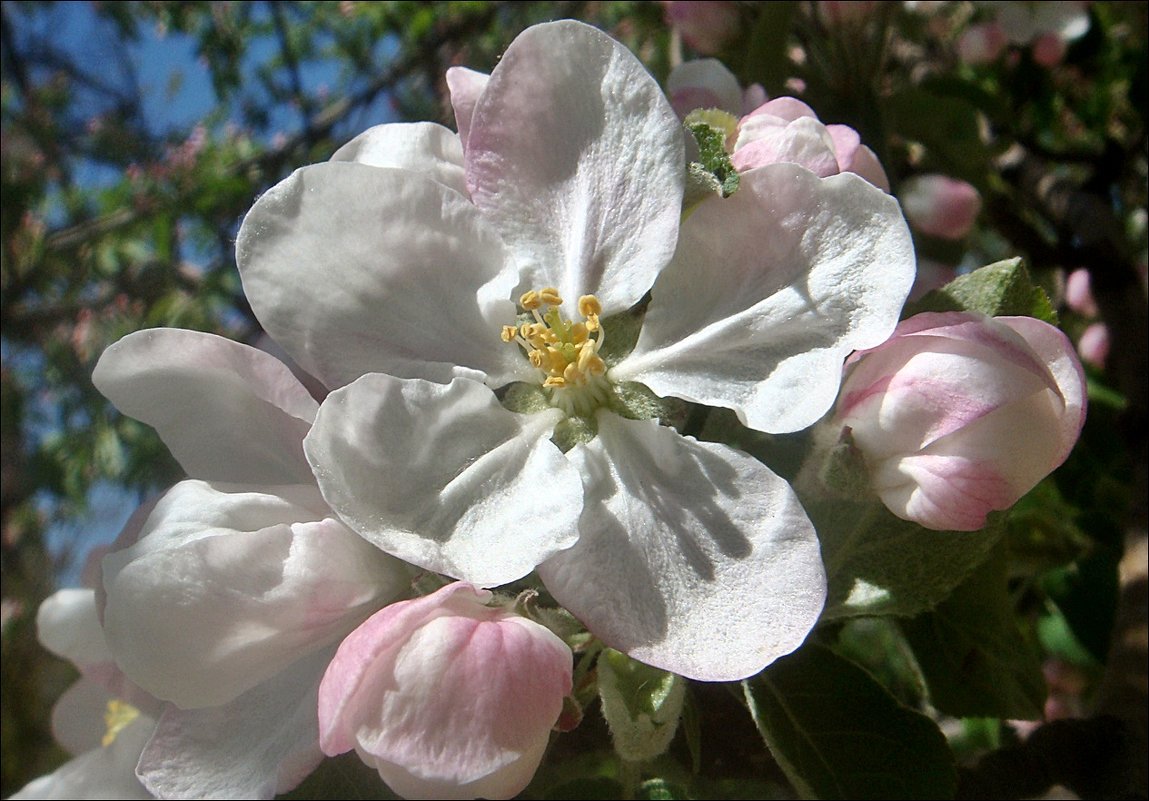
{"x":465,"y":86}
{"x":786,"y":108}
{"x":355,"y":269}
{"x":1093,"y":345}
{"x":100,"y":773}
{"x":1079,"y":293}
{"x":445,"y":696}
{"x":422,"y":147}
{"x":226,"y":411}
{"x":768,"y":293}
{"x":855,"y":157}
{"x":444,"y":477}
{"x":226,"y":586}
{"x":943,"y":493}
{"x":982,"y":43}
{"x":78,"y":716}
{"x":693,"y":557}
{"x":804,"y":142}
{"x":576,"y":156}
{"x":259,"y":745}
{"x":703,"y":83}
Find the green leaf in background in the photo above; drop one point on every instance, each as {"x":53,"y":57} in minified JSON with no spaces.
{"x":879,"y":564}
{"x":837,"y":733}
{"x":973,"y":655}
{"x":1000,"y":289}
{"x":947,"y":126}
{"x":641,"y":704}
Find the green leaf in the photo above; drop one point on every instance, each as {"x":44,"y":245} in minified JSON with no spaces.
{"x":999,"y":289}
{"x":974,"y":658}
{"x":837,"y":733}
{"x":947,"y":126}
{"x":641,"y":704}
{"x":879,"y":564}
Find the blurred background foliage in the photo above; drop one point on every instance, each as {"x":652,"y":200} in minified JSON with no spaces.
{"x":120,"y":211}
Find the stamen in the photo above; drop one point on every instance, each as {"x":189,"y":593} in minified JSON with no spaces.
{"x":117,"y":717}
{"x":565,"y":351}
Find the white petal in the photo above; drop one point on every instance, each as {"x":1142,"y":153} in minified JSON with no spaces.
{"x":263,"y":743}
{"x":227,"y":412}
{"x":422,"y":147}
{"x":465,"y":86}
{"x":226,"y":587}
{"x":68,"y":625}
{"x":444,"y":477}
{"x":692,"y":557}
{"x":355,"y":269}
{"x":704,"y":83}
{"x":769,"y":291}
{"x":101,"y":773}
{"x":577,"y":157}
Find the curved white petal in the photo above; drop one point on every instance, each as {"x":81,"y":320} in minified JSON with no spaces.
{"x":444,"y":477}
{"x":703,"y":83}
{"x":465,"y":86}
{"x":769,"y":291}
{"x":423,"y":147}
{"x":355,"y":269}
{"x":226,"y":411}
{"x":68,"y":625}
{"x":577,"y":158}
{"x":263,"y":743}
{"x":227,"y":586}
{"x":692,"y":556}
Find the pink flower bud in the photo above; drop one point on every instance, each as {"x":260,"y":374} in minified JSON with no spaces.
{"x":445,"y":696}
{"x":1094,"y":344}
{"x":940,"y":206}
{"x":705,"y":25}
{"x":958,"y":414}
{"x":1079,"y":293}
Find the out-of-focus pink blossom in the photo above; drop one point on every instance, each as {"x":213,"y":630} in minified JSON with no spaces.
{"x":846,"y":12}
{"x":446,"y":696}
{"x":1094,"y":344}
{"x":1048,"y":49}
{"x":787,"y":130}
{"x":1079,"y":293}
{"x":958,"y":414}
{"x":702,"y":83}
{"x":705,"y":25}
{"x":939,"y":205}
{"x":982,"y":43}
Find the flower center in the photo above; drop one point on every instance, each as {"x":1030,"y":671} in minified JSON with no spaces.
{"x":117,"y":717}
{"x":566,"y":352}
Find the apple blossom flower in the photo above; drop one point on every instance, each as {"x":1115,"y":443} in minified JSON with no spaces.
{"x":396,"y":286}
{"x":446,"y":695}
{"x":105,"y":731}
{"x":787,"y":130}
{"x":227,"y":599}
{"x":982,"y":43}
{"x":939,"y":205}
{"x":958,"y":415}
{"x":1093,"y":344}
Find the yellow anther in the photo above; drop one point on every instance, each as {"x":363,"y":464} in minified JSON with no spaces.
{"x":554,"y":382}
{"x":530,"y":300}
{"x":509,"y":333}
{"x":588,"y":305}
{"x":537,"y":359}
{"x":117,"y":717}
{"x":595,"y":365}
{"x":572,"y":375}
{"x":584,"y":354}
{"x":578,"y":333}
{"x":550,"y":296}
{"x":592,"y":323}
